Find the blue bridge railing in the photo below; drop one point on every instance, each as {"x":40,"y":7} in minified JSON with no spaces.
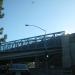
{"x":28,"y":41}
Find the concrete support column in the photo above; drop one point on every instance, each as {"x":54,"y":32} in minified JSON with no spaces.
{"x":66,"y":52}
{"x":37,"y":62}
{"x":18,"y":73}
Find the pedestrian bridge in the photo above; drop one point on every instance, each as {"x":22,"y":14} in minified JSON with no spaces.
{"x":33,"y":46}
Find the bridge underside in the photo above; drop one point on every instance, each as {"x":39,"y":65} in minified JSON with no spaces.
{"x":39,"y":58}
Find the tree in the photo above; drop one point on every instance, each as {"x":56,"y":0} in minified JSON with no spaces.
{"x":1,"y":9}
{"x":2,"y":37}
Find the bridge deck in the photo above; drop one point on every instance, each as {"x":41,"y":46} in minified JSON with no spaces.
{"x":32,"y":46}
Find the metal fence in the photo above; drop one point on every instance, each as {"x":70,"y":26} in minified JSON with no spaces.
{"x":32,"y":41}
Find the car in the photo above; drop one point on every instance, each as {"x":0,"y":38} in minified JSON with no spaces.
{"x":18,"y":69}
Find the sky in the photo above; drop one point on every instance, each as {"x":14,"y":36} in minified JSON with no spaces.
{"x":51,"y":15}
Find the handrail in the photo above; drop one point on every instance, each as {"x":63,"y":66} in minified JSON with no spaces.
{"x":26,"y":41}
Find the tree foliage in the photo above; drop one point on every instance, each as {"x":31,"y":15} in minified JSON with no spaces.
{"x":1,"y":9}
{"x":2,"y":37}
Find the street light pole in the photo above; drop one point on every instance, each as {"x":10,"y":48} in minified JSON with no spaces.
{"x":46,"y":54}
{"x":37,"y":27}
{"x":44,"y":36}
